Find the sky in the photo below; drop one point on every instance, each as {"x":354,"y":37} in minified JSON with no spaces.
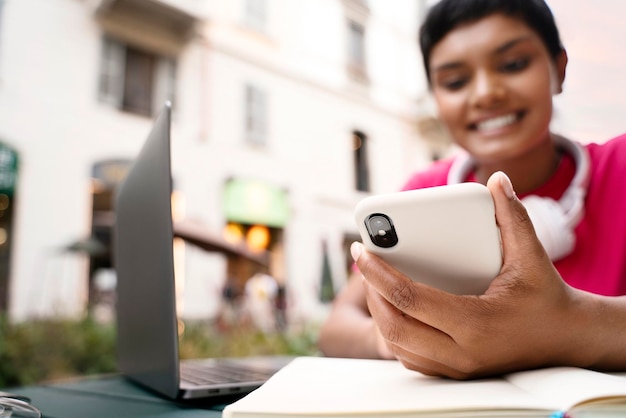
{"x":592,"y":106}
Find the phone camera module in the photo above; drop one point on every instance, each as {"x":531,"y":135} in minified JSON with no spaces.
{"x":381,"y":230}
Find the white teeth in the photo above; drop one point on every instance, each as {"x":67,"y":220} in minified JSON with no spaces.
{"x":496,"y":123}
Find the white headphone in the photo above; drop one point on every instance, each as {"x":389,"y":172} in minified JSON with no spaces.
{"x":554,"y":221}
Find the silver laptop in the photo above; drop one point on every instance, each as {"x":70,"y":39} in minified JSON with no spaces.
{"x":147,"y":326}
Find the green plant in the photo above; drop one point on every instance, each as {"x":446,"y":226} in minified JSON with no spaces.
{"x":49,"y":349}
{"x":203,"y":339}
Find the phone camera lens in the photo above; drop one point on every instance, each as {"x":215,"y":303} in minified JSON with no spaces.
{"x":381,"y":230}
{"x":378,"y":223}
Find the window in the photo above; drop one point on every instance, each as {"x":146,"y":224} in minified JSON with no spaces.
{"x":356,"y":48}
{"x":255,"y":115}
{"x":357,"y":14}
{"x":361,"y":166}
{"x":255,"y":14}
{"x":135,"y":80}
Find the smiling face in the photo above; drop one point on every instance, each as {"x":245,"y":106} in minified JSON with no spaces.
{"x":493,"y":82}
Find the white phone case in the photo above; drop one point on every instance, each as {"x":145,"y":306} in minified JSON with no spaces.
{"x":447,"y":236}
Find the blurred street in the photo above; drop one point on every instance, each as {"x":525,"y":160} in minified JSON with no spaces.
{"x":286,"y":113}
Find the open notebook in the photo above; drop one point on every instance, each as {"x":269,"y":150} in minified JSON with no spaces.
{"x":334,"y":387}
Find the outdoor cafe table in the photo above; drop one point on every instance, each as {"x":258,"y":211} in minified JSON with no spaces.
{"x":105,"y":397}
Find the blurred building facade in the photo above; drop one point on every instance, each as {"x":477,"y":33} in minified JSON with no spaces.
{"x":286,"y":113}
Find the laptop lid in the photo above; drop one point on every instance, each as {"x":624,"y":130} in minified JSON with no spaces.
{"x":143,"y":249}
{"x":146,"y":298}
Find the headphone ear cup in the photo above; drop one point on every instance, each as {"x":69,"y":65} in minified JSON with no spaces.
{"x":554,"y":221}
{"x":551,"y":225}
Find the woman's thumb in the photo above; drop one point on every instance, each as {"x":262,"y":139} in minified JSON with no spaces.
{"x":516,"y":229}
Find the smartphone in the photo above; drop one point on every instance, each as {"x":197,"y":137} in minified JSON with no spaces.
{"x":444,"y":236}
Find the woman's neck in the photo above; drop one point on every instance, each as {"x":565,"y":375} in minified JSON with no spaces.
{"x":527,"y":172}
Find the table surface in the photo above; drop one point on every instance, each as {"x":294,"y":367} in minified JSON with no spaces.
{"x":108,"y":396}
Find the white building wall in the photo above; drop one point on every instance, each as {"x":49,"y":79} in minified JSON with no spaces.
{"x":50,"y":114}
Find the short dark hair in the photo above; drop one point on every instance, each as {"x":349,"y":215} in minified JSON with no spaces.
{"x":446,"y":15}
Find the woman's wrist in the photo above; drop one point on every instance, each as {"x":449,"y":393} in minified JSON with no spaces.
{"x":597,"y":331}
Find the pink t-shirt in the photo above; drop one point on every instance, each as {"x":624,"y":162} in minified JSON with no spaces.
{"x":598,"y":262}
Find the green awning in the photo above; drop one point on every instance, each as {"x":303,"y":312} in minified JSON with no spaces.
{"x":255,"y":202}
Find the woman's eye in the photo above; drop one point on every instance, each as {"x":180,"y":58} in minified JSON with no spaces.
{"x":453,"y":83}
{"x":515,"y":65}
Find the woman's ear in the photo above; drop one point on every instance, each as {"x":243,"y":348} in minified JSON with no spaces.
{"x":561,"y":65}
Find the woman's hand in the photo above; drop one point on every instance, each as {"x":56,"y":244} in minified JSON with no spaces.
{"x":527,"y":318}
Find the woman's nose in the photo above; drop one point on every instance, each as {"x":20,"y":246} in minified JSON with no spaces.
{"x":488,"y":90}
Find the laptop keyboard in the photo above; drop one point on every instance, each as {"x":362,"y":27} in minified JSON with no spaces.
{"x":217,"y":373}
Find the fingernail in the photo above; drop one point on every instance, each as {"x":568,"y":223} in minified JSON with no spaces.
{"x":505,"y":182}
{"x":355,"y":250}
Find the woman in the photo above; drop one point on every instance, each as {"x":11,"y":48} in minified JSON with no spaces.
{"x":493,"y":67}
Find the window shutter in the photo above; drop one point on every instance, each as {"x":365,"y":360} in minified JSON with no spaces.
{"x":165,"y":83}
{"x":111,"y":87}
{"x":256,"y":14}
{"x":256,"y":115}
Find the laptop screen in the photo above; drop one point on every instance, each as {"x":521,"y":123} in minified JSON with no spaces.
{"x":143,"y":254}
